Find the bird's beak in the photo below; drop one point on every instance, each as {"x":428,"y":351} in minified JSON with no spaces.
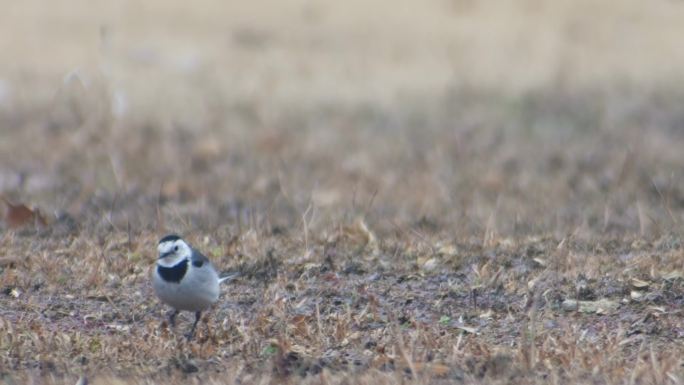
{"x":162,"y":256}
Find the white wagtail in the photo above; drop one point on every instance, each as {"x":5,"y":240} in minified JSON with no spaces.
{"x":185,"y":279}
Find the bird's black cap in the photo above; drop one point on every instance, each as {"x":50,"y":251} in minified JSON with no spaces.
{"x":169,"y":238}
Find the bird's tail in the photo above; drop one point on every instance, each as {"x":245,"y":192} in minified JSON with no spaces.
{"x":229,"y":277}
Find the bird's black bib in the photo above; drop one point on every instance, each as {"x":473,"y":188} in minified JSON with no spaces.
{"x":174,"y":273}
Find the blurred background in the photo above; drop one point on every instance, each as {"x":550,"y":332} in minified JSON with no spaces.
{"x":456,"y":117}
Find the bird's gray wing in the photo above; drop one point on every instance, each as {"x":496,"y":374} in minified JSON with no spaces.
{"x":198,"y":259}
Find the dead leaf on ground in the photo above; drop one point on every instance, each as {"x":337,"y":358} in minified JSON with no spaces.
{"x":428,"y":264}
{"x":18,"y":215}
{"x":541,"y":262}
{"x":448,"y":250}
{"x":638,"y":283}
{"x":438,"y":370}
{"x":468,"y":329}
{"x":601,"y":306}
{"x":359,"y":234}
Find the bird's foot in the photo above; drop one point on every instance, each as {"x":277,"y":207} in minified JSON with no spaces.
{"x":191,"y":334}
{"x":172,"y":318}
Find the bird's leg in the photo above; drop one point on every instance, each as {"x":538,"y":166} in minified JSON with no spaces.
{"x":198,"y":316}
{"x":172,"y":318}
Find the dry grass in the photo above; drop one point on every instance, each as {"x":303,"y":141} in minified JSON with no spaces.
{"x":466,"y":192}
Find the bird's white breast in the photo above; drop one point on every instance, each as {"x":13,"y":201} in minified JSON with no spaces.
{"x":196,"y":291}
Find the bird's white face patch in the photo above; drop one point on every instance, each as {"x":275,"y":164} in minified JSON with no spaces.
{"x":172,"y":252}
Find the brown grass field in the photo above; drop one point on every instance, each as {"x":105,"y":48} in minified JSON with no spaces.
{"x":422,"y":192}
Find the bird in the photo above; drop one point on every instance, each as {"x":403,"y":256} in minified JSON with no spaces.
{"x":185,"y":279}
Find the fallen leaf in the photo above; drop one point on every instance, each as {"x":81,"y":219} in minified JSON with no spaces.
{"x":331,"y":277}
{"x":447,"y":250}
{"x":431,"y":264}
{"x":434,"y":369}
{"x":487,"y":315}
{"x":540,"y":261}
{"x":639,"y":284}
{"x":358,"y":233}
{"x":439,"y":369}
{"x":467,"y":329}
{"x":18,"y":215}
{"x":601,"y":306}
{"x":118,"y":327}
{"x":531,"y":283}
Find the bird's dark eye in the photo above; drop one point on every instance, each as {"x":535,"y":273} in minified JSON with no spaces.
{"x":175,"y":248}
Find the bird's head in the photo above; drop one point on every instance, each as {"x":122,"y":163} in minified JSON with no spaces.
{"x":172,"y":249}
